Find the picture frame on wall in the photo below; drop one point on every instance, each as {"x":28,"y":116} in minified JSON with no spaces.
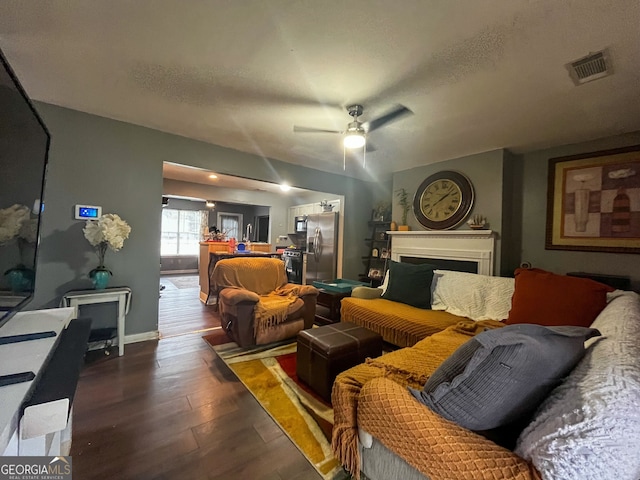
{"x":593,"y":202}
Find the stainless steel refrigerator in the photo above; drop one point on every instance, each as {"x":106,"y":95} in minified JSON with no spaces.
{"x":322,"y":246}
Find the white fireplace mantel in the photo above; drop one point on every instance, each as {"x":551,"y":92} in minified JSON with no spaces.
{"x":461,"y":245}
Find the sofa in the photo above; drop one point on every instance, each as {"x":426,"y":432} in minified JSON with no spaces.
{"x":586,"y":427}
{"x":416,"y":301}
{"x":256,"y":303}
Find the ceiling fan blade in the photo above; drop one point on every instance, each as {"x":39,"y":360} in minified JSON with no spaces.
{"x":298,"y":129}
{"x":395,"y":114}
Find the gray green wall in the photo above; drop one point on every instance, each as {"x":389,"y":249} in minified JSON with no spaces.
{"x":117,"y":165}
{"x":511,"y":191}
{"x":534,"y":215}
{"x":485,"y":170}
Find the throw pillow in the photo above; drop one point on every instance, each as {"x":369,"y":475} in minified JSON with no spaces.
{"x":546,"y":298}
{"x":502,"y":375}
{"x":471,"y":295}
{"x":367,"y":293}
{"x":589,"y":427}
{"x":410,"y":283}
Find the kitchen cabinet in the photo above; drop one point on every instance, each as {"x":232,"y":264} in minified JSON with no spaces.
{"x":308,"y":209}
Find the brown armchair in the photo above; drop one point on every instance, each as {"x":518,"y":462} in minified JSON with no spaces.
{"x":257,"y":305}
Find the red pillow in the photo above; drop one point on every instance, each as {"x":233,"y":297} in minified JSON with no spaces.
{"x":549,"y":299}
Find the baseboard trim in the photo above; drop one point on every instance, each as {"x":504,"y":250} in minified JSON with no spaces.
{"x":142,"y":337}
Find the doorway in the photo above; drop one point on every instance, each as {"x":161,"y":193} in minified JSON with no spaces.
{"x":263,"y":204}
{"x":262,"y":233}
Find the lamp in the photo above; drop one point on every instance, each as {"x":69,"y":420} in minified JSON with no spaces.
{"x":210,"y":203}
{"x":354,"y":136}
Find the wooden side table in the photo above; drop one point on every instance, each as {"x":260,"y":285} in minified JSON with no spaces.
{"x":331,"y":300}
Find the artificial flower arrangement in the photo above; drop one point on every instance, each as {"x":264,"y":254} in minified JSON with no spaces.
{"x":107,"y":231}
{"x":12,"y":220}
{"x":17,"y":222}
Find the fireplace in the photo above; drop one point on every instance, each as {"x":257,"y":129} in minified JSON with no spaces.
{"x":461,"y":250}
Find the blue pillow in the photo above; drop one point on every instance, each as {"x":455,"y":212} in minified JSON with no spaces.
{"x":502,"y":375}
{"x":410,"y":283}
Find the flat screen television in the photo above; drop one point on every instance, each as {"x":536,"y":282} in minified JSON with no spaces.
{"x":24,"y":145}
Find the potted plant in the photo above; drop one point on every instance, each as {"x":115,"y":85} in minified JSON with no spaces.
{"x":405,"y":205}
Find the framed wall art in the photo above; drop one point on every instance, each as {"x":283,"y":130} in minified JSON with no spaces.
{"x":593,"y":202}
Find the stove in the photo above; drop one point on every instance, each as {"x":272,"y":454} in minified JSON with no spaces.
{"x":292,"y":252}
{"x":293,"y":264}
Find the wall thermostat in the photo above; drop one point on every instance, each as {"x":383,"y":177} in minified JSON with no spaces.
{"x":88,"y":212}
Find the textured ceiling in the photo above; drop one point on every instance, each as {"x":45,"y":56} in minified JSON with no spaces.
{"x":478,"y":75}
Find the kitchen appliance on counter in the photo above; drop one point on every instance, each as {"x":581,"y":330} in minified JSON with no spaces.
{"x":322,"y":247}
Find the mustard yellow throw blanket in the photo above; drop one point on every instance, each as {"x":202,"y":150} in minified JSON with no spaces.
{"x":264,"y":281}
{"x":374,"y":396}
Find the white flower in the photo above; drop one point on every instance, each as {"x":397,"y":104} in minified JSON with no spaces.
{"x":29,"y":230}
{"x":11,"y":220}
{"x":109,"y":229}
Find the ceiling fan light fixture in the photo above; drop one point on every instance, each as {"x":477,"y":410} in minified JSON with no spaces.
{"x":354,"y":140}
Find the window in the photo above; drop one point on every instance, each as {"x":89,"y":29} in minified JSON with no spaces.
{"x":180,"y":232}
{"x":231,"y":224}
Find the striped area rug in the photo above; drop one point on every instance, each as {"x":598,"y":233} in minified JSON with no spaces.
{"x":268,"y":372}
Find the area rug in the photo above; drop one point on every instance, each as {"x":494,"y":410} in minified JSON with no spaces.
{"x":269,"y":373}
{"x":191,"y":281}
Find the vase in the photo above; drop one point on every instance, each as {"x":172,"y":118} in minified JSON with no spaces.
{"x":100,"y":278}
{"x":20,"y":279}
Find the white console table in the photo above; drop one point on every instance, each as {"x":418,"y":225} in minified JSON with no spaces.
{"x":32,"y":356}
{"x":122,"y":295}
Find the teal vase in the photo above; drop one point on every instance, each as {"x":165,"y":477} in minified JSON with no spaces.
{"x":20,"y":279}
{"x":100,"y":278}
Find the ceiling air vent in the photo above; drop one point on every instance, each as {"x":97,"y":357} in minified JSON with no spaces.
{"x":592,"y":67}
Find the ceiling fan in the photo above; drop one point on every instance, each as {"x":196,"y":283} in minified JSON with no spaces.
{"x":355,"y":136}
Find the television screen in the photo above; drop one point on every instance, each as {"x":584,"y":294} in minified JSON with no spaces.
{"x":24,"y":143}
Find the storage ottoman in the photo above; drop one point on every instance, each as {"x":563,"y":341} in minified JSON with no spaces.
{"x":325,"y":352}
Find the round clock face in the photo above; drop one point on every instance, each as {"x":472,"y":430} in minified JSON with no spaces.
{"x":443,"y":200}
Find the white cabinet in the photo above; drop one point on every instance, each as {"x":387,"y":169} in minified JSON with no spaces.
{"x":308,"y":209}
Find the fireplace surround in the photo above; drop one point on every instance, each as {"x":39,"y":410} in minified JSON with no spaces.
{"x":467,"y":246}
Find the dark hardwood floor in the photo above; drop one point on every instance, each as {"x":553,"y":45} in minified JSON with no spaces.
{"x":170,"y":409}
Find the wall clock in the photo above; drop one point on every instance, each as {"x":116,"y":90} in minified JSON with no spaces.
{"x":443,"y":200}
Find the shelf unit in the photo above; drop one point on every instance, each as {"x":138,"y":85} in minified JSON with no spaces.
{"x":377,"y":260}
